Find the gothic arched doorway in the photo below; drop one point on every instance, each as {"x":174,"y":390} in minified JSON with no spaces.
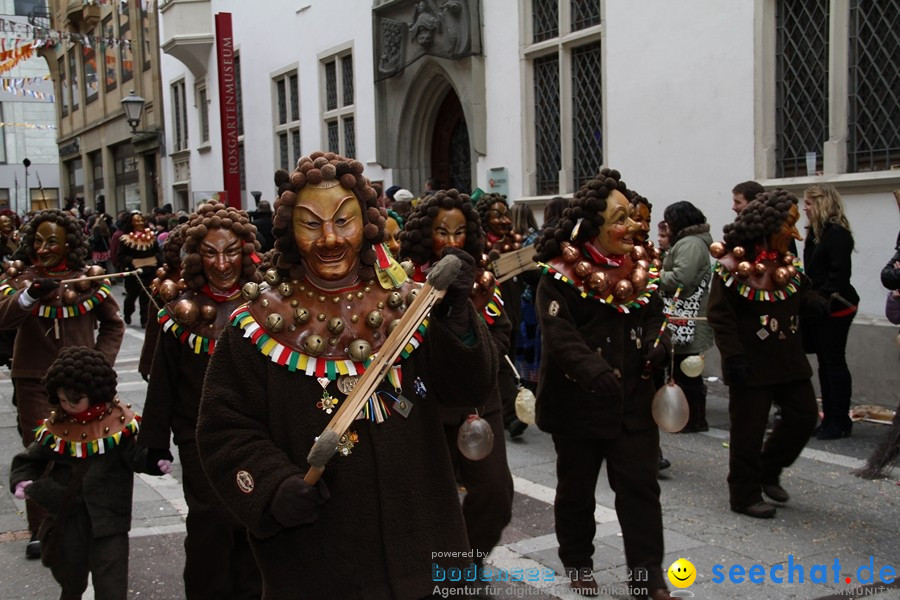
{"x":451,"y":153}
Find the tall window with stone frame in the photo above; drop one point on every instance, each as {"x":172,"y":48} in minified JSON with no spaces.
{"x":286,"y":97}
{"x":108,"y":49}
{"x":837,"y":86}
{"x":339,"y":104}
{"x":562,"y":47}
{"x":71,"y":55}
{"x":201,"y":97}
{"x":126,"y":56}
{"x":179,"y":117}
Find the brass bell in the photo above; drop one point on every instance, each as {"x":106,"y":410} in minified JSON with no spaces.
{"x":623,"y":289}
{"x":394,"y":300}
{"x":744,"y":269}
{"x":639,"y":279}
{"x":360,"y":350}
{"x":781,"y":276}
{"x":186,"y":311}
{"x":250,"y":291}
{"x":20,"y":264}
{"x":392,"y":326}
{"x":570,"y":253}
{"x":92,"y":271}
{"x":285,"y":289}
{"x":208,"y":312}
{"x":275,"y":323}
{"x":411,"y":296}
{"x":409,"y":268}
{"x":168,"y":290}
{"x":598,"y":281}
{"x":584,"y":269}
{"x":374,"y":319}
{"x":718,"y":249}
{"x":82,"y":285}
{"x":272,"y":277}
{"x":639,"y":253}
{"x":12,"y":272}
{"x":301,"y":315}
{"x":314,"y":344}
{"x":336,"y":325}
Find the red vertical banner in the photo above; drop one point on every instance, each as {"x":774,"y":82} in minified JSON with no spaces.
{"x":228,"y":109}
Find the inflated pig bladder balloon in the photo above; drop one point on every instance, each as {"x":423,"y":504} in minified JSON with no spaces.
{"x":670,"y":408}
{"x":475,"y":439}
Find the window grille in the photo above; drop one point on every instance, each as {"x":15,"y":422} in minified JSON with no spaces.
{"x":587,"y":112}
{"x":347,"y":78}
{"x":545,"y":19}
{"x":585,"y":13}
{"x":349,"y":137}
{"x":331,"y":85}
{"x":333,"y":140}
{"x":547,"y":127}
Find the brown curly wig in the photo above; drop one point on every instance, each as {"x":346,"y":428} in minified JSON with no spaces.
{"x":214,"y":215}
{"x":415,"y":239}
{"x":172,"y":249}
{"x":83,"y":370}
{"x":589,"y":204}
{"x":75,"y":240}
{"x":313,"y":170}
{"x":762,"y":217}
{"x":636,"y":199}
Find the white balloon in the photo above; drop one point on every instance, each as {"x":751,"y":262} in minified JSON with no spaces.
{"x":670,"y":408}
{"x":475,"y":439}
{"x":692,"y":366}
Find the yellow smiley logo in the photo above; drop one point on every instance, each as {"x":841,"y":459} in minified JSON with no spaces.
{"x":682,"y":573}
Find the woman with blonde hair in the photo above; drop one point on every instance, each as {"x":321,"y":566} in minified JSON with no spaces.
{"x":827,"y":259}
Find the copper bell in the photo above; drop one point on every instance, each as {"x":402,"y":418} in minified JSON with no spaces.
{"x":374,"y":319}
{"x":570,"y":253}
{"x":486,"y":280}
{"x":250,"y":291}
{"x":657,"y":264}
{"x":208,"y":312}
{"x":394,"y":300}
{"x":82,"y":285}
{"x":760,"y":269}
{"x":788,"y":259}
{"x":20,"y":264}
{"x":168,"y":291}
{"x":639,"y":253}
{"x":182,"y":285}
{"x":314,"y":344}
{"x":272,"y":277}
{"x":598,"y":281}
{"x":285,"y":289}
{"x":584,"y":269}
{"x":360,"y":350}
{"x":623,"y":289}
{"x":643,"y":264}
{"x":738,"y":252}
{"x":639,"y":279}
{"x":744,"y":269}
{"x":301,"y":315}
{"x":792,"y":271}
{"x":411,"y":296}
{"x":161,"y":273}
{"x":12,"y":272}
{"x":336,"y":325}
{"x":186,"y":311}
{"x":93,"y":271}
{"x":275,"y":323}
{"x":69,"y":296}
{"x":718,"y":249}
{"x":781,"y":276}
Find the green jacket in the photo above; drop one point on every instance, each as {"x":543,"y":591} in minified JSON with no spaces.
{"x":687,"y":264}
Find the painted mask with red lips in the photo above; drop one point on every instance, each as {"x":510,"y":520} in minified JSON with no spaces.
{"x":616,"y":235}
{"x":328,"y":229}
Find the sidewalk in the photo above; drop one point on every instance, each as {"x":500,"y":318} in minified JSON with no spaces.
{"x":831,"y":515}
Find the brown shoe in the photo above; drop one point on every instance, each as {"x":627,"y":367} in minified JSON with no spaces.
{"x":757,"y":510}
{"x":585,"y":587}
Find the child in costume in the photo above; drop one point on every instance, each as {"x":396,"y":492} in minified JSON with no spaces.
{"x":80,"y":468}
{"x":756,"y":298}
{"x":49,"y":315}
{"x":601,"y":319}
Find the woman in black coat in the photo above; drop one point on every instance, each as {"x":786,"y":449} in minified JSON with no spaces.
{"x":826,"y":256}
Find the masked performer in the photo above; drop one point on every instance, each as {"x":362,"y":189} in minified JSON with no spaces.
{"x":755,"y":299}
{"x":388,"y":498}
{"x":219,"y":257}
{"x":9,"y":236}
{"x":500,"y":239}
{"x":601,"y":316}
{"x":50,"y":316}
{"x":138,"y":249}
{"x":447,"y":219}
{"x":393,"y":225}
{"x":86,"y":452}
{"x":166,"y":276}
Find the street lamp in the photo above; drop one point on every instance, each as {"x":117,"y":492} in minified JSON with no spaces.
{"x":27,"y":164}
{"x":134,"y":107}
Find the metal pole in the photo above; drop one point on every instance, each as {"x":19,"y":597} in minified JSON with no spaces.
{"x":27,"y":193}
